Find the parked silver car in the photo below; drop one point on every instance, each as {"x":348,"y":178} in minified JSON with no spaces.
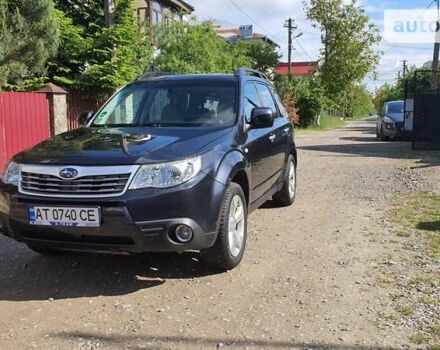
{"x":390,"y":121}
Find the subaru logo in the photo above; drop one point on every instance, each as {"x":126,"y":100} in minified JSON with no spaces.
{"x":68,"y":173}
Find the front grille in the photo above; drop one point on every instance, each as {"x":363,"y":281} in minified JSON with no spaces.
{"x":399,"y":126}
{"x":34,"y":183}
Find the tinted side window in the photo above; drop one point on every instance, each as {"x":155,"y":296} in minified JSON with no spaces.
{"x":251,"y":100}
{"x":266,"y":98}
{"x":281,"y":107}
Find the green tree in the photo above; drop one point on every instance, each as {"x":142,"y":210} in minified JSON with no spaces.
{"x":386,"y":93}
{"x":263,"y":56}
{"x":73,"y":53}
{"x":195,"y":48}
{"x":86,"y":14}
{"x":308,"y":94}
{"x":348,"y":38}
{"x":29,"y":35}
{"x":360,"y":102}
{"x":118,"y":54}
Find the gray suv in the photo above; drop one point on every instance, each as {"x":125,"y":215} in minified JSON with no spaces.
{"x":390,"y":123}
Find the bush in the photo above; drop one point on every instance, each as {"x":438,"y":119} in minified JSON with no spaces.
{"x":308,"y":95}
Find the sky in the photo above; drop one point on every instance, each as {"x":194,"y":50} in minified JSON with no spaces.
{"x":268,"y":17}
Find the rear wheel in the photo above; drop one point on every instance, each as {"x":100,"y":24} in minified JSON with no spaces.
{"x":286,"y":196}
{"x":228,"y":250}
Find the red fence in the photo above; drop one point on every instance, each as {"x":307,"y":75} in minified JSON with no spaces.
{"x":78,"y":102}
{"x":24,"y":122}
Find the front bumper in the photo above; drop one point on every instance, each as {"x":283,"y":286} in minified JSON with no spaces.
{"x":139,"y":221}
{"x":393,"y":130}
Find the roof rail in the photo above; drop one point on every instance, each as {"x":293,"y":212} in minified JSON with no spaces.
{"x":152,"y":75}
{"x":240,"y":72}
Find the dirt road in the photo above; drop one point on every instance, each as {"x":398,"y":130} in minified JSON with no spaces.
{"x":307,"y":280}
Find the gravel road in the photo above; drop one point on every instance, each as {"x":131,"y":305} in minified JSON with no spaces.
{"x":307,"y":280}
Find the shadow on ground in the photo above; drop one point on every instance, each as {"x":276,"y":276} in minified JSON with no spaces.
{"x":172,"y":342}
{"x":87,"y":275}
{"x":429,"y":226}
{"x":368,"y":146}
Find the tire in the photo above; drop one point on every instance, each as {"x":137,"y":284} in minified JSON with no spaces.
{"x":286,"y":196}
{"x":228,"y":250}
{"x":42,"y":250}
{"x":382,"y":135}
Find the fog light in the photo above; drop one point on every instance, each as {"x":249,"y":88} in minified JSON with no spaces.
{"x":184,"y":233}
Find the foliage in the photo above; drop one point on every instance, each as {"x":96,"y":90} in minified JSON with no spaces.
{"x":195,"y":48}
{"x":360,"y":102}
{"x":308,"y":94}
{"x":409,"y":82}
{"x":386,"y":93}
{"x":119,"y":54}
{"x":263,"y":56}
{"x":349,"y":39}
{"x":88,"y":15}
{"x":290,"y":103}
{"x":29,"y":35}
{"x":73,"y":54}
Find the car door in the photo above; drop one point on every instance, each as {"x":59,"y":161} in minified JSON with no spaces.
{"x":278,"y":136}
{"x":258,"y":145}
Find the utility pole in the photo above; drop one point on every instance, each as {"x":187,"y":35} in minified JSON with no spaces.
{"x":435,"y":61}
{"x":109,"y":9}
{"x":290,"y":27}
{"x":404,"y":68}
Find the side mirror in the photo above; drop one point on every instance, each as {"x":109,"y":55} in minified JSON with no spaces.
{"x":85,"y":117}
{"x":262,"y":117}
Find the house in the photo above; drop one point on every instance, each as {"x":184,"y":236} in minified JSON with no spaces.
{"x":298,"y":68}
{"x":154,"y":12}
{"x":244,"y":32}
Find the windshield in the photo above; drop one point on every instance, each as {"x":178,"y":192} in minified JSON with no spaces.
{"x":395,"y":107}
{"x":172,"y":103}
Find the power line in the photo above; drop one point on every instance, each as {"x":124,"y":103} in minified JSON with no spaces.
{"x":268,"y":31}
{"x":249,"y":17}
{"x":303,"y":49}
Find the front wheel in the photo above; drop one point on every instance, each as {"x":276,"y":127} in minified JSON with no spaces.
{"x":227,"y":251}
{"x":286,"y":196}
{"x":382,"y":136}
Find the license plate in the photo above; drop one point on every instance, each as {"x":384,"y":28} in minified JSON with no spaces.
{"x":64,"y":216}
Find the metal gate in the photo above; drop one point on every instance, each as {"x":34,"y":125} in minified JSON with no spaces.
{"x":426,"y":123}
{"x":24,"y":122}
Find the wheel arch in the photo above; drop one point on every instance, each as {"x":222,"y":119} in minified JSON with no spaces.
{"x":234,"y":168}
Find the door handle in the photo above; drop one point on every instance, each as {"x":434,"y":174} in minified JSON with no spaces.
{"x":286,"y":130}
{"x":272,"y":137}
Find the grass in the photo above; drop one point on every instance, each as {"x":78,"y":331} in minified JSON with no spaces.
{"x":419,"y":338}
{"x":402,"y":233}
{"x":326,"y":123}
{"x":420,"y":212}
{"x":405,"y":310}
{"x":418,"y":216}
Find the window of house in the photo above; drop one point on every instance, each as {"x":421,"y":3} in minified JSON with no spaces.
{"x":156,"y":13}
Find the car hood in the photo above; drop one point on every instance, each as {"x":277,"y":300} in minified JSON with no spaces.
{"x":122,"y":146}
{"x":397,"y":117}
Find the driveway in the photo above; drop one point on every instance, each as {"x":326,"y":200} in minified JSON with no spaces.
{"x":307,"y":280}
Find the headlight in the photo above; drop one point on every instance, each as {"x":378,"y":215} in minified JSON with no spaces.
{"x":166,"y":174}
{"x":12,"y":174}
{"x":388,"y":120}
